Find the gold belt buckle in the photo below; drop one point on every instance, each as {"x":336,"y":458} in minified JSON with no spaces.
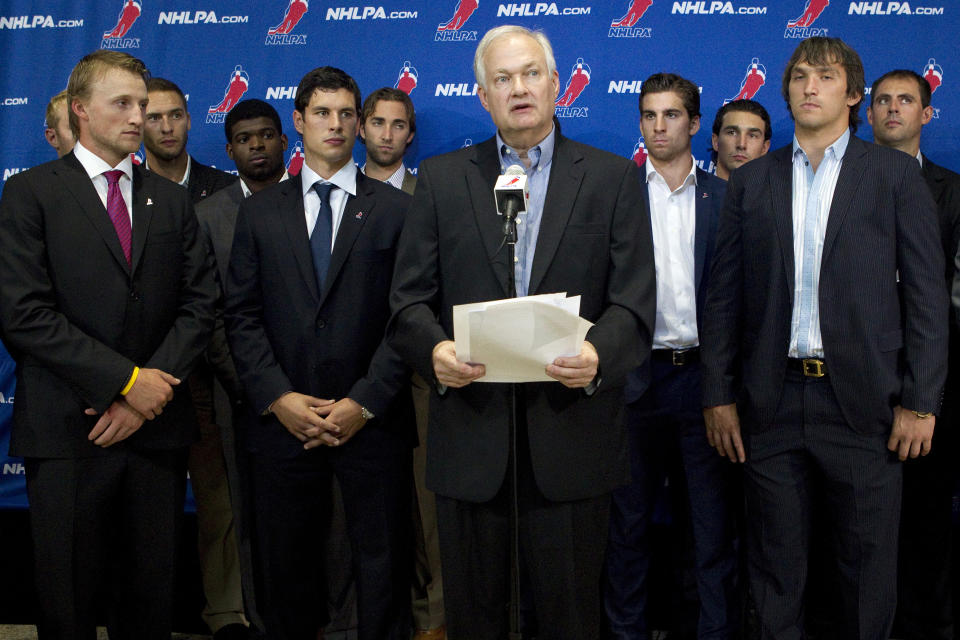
{"x":813,"y":368}
{"x":679,"y":357}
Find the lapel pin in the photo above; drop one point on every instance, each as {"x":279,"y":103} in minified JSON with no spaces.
{"x":149,"y":202}
{"x":359,"y":215}
{"x":705,"y":195}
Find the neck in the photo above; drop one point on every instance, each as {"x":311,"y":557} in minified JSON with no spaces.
{"x":722,"y":172}
{"x":675,"y":170}
{"x":815,"y":141}
{"x":380,"y":172}
{"x":111,"y":159}
{"x":322,"y":168}
{"x":910,"y":147}
{"x":259,"y":185}
{"x":523,"y":141}
{"x":169,"y":169}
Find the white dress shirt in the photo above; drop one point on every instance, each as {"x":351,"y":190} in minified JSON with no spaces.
{"x":396,"y":178}
{"x":673,"y":218}
{"x":95,"y":166}
{"x":345,"y":185}
{"x":246,"y":190}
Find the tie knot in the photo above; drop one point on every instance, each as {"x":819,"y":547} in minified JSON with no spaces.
{"x":113,"y":177}
{"x":323,"y":190}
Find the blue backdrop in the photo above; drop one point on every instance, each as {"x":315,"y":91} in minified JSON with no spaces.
{"x":222,"y":51}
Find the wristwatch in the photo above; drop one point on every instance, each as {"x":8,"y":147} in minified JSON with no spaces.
{"x":922,"y":414}
{"x":365,"y":413}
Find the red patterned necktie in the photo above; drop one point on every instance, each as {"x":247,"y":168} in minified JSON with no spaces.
{"x":117,"y":210}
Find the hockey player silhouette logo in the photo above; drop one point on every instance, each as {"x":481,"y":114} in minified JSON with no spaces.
{"x":238,"y":85}
{"x":295,"y":163}
{"x":933,"y":74}
{"x":461,"y":14}
{"x":295,"y":11}
{"x":579,"y":79}
{"x":128,"y":15}
{"x":755,"y":78}
{"x":407,"y":80}
{"x":640,"y":152}
{"x":634,"y":13}
{"x":811,"y":11}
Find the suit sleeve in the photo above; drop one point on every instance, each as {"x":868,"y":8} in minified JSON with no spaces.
{"x":32,"y":323}
{"x":923,"y":296}
{"x":720,"y":326}
{"x":623,"y":334}
{"x":260,"y":374}
{"x":414,"y":329}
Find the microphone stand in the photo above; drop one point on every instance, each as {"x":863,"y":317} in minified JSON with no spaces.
{"x":510,"y":237}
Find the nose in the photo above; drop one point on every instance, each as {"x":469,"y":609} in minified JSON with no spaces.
{"x":256,"y":142}
{"x":660,"y":124}
{"x":518,"y":87}
{"x":810,"y":87}
{"x":335,"y":122}
{"x":742,"y":141}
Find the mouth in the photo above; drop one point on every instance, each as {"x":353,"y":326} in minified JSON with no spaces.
{"x":385,"y":148}
{"x":740,"y":158}
{"x":521,"y":108}
{"x":336,"y":142}
{"x":258,"y":160}
{"x":809,"y":106}
{"x":892,"y":123}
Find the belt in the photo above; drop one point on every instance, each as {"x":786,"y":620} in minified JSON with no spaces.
{"x":810,"y":367}
{"x":677,"y":357}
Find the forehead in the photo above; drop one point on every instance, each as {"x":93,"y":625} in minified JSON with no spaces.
{"x":331,"y":99}
{"x":513,"y":50}
{"x":832,"y":63}
{"x":116,"y":82}
{"x":389,"y":110}
{"x":164,"y":101}
{"x":899,"y":86}
{"x":250,"y":125}
{"x":743,"y":120}
{"x":663,"y":101}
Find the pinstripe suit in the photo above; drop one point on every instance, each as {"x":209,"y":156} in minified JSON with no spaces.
{"x":883,"y":317}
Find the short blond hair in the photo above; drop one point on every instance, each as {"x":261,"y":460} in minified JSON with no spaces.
{"x":53,"y":109}
{"x":91,"y":68}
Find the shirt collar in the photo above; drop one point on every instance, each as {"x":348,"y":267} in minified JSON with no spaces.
{"x":690,"y":179}
{"x":345,"y":178}
{"x":399,"y":172}
{"x":838,"y":148}
{"x":540,"y":154}
{"x":246,"y":190}
{"x":94,"y":165}
{"x":920,"y":158}
{"x":185,"y":180}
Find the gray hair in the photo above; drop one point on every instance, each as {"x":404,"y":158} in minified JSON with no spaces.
{"x":504,"y":30}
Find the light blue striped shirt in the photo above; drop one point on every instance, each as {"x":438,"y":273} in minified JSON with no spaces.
{"x":812,"y":196}
{"x":528,"y":224}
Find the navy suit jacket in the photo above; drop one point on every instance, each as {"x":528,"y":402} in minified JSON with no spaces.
{"x":709,"y":201}
{"x":286,"y":334}
{"x":883,"y":306}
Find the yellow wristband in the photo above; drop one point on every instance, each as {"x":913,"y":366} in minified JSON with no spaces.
{"x":133,"y":378}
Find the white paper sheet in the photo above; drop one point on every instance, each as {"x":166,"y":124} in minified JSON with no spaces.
{"x":516,"y":338}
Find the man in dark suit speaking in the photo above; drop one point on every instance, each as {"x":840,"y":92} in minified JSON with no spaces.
{"x":307,"y":304}
{"x":584,"y":233}
{"x":826,"y":322}
{"x":107,"y":298}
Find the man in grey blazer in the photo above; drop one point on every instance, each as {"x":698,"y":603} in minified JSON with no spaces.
{"x":826,"y":324}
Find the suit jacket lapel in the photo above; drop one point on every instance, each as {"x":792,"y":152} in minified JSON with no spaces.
{"x":355,"y":215}
{"x":142,"y":214}
{"x":480,"y":185}
{"x":847,"y":181}
{"x":78,"y":183}
{"x":781,"y":195}
{"x":566,"y":173}
{"x":290,"y":207}
{"x":702,"y":229}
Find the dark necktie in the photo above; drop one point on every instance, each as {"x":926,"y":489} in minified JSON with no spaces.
{"x":320,"y":237}
{"x":117,"y":210}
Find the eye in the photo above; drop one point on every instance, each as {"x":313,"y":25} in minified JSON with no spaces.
{"x":268,"y":135}
{"x":242,"y":139}
{"x":500,"y":79}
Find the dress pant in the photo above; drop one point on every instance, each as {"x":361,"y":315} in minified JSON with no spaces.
{"x":668,"y":440}
{"x":291,"y":498}
{"x":561,"y":550}
{"x":104,"y":534}
{"x":810,"y":445}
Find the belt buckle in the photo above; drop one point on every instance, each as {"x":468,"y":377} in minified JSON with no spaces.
{"x":679,"y":357}
{"x":813,"y":368}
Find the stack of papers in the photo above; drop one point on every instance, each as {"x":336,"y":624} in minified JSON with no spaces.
{"x":516,"y":338}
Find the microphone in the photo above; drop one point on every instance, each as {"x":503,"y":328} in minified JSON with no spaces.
{"x":511,"y":192}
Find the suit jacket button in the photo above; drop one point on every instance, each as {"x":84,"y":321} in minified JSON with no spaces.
{"x":321,"y":324}
{"x":135,"y":295}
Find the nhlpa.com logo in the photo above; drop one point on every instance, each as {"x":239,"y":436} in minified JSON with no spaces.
{"x":802,"y":27}
{"x":753,"y":79}
{"x":578,"y":81}
{"x":116,"y":38}
{"x":933,"y":74}
{"x":282,"y":33}
{"x":452,"y":30}
{"x":407,"y":80}
{"x":237,"y":86}
{"x":625,"y":25}
{"x":639,"y":154}
{"x":38,"y":22}
{"x":295,"y":161}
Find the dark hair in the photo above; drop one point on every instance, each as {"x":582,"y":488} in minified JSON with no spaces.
{"x":821,"y":51}
{"x":328,"y":78}
{"x":905,"y":74}
{"x":663,"y":82}
{"x":392,"y":95}
{"x":162,"y":84}
{"x":247,"y":110}
{"x":749,"y":106}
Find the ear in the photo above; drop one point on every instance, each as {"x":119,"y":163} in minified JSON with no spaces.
{"x":188,"y":120}
{"x":694,"y":125}
{"x":556,"y":84}
{"x":410,"y":138}
{"x":927,"y":115}
{"x":283,"y":141}
{"x":766,"y":147}
{"x":483,"y":97}
{"x":298,"y":121}
{"x":51,"y":135}
{"x":230,"y":150}
{"x":715,"y":141}
{"x":870,"y":115}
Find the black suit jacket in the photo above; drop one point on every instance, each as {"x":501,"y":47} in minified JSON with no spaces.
{"x":945,"y":188}
{"x":883,"y":308}
{"x":286,"y":334}
{"x":709,"y":201}
{"x":205,"y":181}
{"x":77,"y":317}
{"x":594,"y":242}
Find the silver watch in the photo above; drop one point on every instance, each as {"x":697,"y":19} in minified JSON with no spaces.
{"x":365,"y":413}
